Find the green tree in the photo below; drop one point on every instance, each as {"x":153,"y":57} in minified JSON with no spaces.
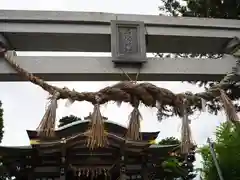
{"x":227,"y":9}
{"x":227,"y":147}
{"x":3,"y":172}
{"x":1,"y":122}
{"x":228,"y":154}
{"x":177,"y":165}
{"x":169,"y":141}
{"x":67,"y":120}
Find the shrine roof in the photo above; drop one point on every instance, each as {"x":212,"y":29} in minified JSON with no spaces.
{"x":82,"y":126}
{"x":113,"y":123}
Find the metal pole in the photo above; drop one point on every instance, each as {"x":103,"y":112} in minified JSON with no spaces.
{"x":215,"y":159}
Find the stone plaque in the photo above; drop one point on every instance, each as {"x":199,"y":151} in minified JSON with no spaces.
{"x":128,"y":42}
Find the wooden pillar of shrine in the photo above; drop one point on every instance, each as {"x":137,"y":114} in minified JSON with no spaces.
{"x":29,"y":167}
{"x":122,"y":164}
{"x":31,"y":175}
{"x":144,"y":171}
{"x":63,"y":163}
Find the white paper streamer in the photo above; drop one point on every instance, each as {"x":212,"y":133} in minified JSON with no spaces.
{"x":69,"y":102}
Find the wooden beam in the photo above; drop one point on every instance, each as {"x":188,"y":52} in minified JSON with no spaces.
{"x":102,"y":69}
{"x":46,"y":169}
{"x":90,"y":31}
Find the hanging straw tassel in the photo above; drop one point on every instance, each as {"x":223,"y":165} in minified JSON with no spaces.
{"x":133,"y":132}
{"x":96,"y":133}
{"x":46,"y":127}
{"x":229,"y":108}
{"x":186,"y":137}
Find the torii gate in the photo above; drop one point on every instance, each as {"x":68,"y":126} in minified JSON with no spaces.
{"x":101,"y":32}
{"x":128,"y":38}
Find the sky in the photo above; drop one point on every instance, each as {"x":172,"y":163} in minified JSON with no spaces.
{"x":24,"y":103}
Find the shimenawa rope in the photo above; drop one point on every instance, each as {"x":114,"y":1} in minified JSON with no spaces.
{"x":131,"y":92}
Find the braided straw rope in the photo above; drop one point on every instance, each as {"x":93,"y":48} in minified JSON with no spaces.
{"x":127,"y":91}
{"x":133,"y":93}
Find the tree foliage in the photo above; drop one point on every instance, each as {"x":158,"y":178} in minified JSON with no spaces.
{"x":227,"y":148}
{"x":1,"y":122}
{"x":177,"y":165}
{"x":226,"y":9}
{"x":68,"y":120}
{"x":3,"y":172}
{"x":169,"y":141}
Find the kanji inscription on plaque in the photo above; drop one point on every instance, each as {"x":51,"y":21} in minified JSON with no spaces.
{"x":128,"y":41}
